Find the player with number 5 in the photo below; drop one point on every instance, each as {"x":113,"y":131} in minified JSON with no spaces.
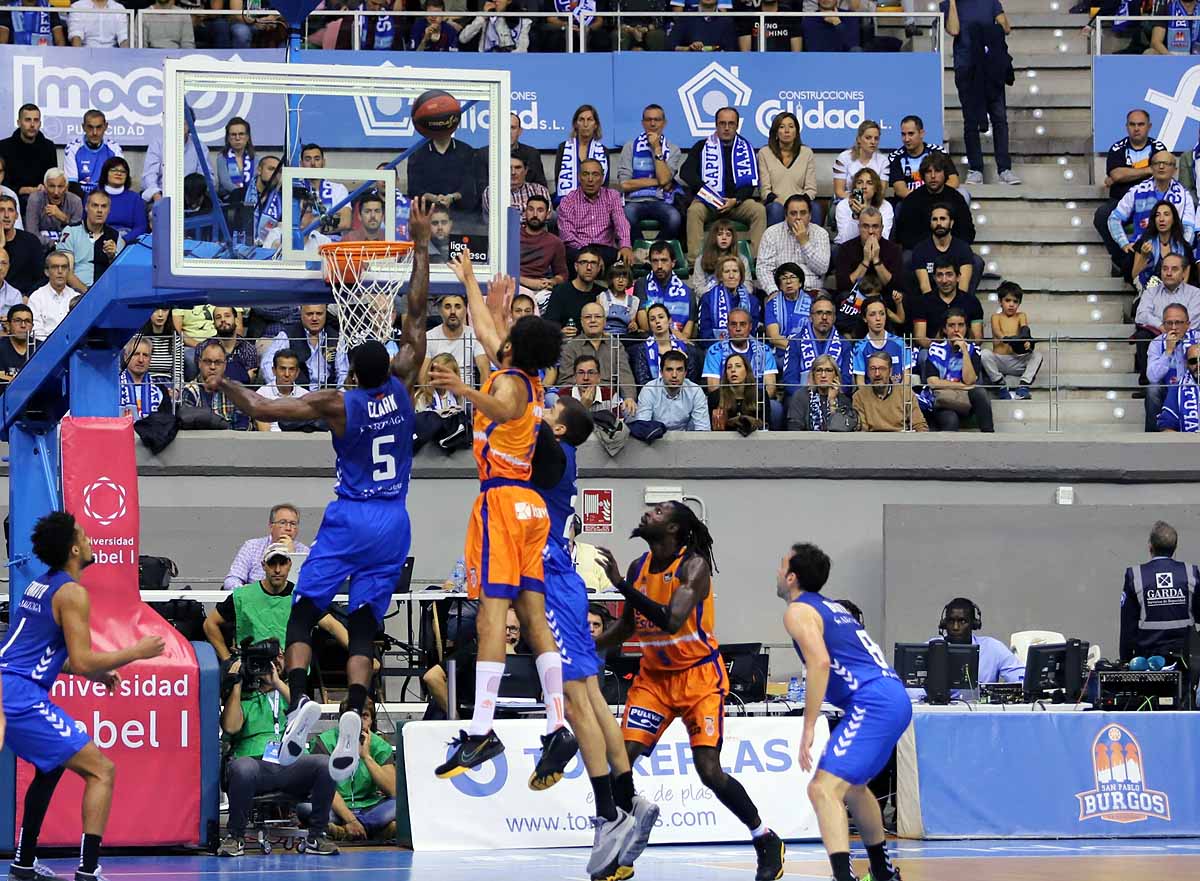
{"x":365,"y":534}
{"x":844,"y":666}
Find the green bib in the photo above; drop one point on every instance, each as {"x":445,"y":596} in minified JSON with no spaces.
{"x":260,"y":615}
{"x":262,"y":724}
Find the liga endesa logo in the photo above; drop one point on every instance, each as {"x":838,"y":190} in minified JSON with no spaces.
{"x":1121,"y":794}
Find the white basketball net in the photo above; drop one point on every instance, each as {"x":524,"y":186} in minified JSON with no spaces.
{"x":365,"y":284}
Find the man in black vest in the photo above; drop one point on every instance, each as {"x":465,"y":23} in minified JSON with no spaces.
{"x":1159,"y":601}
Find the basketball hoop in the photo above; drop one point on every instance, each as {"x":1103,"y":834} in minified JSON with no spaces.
{"x":365,"y":278}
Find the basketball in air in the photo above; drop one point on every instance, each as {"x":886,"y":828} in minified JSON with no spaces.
{"x":436,"y":113}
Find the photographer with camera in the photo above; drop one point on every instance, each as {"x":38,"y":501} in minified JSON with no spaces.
{"x":261,"y":610}
{"x":365,"y":805}
{"x":252,"y":722}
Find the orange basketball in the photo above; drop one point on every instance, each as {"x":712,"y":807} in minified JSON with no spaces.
{"x":436,"y":112}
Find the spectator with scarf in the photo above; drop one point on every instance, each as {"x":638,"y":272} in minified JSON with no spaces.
{"x":1181,"y":412}
{"x":722,"y":171}
{"x":497,"y":34}
{"x":40,"y":26}
{"x":236,"y":165}
{"x":1178,"y":33}
{"x":787,"y":311}
{"x":1126,"y":165}
{"x":879,"y":340}
{"x":127,"y":212}
{"x":719,"y":242}
{"x":727,"y":293}
{"x":821,"y":405}
{"x":1167,"y":363}
{"x":140,"y":394}
{"x":646,"y":176}
{"x":663,"y":286}
{"x":952,"y":370}
{"x":377,"y":32}
{"x":673,"y":399}
{"x":646,"y":358}
{"x":586,"y":142}
{"x":265,"y":198}
{"x":796,"y":240}
{"x":817,"y":338}
{"x":1137,"y":205}
{"x":1163,"y":236}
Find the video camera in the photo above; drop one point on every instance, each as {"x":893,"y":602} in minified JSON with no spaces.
{"x":257,"y":660}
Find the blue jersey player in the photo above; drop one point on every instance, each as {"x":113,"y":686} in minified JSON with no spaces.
{"x":626,"y":819}
{"x":846,"y":668}
{"x":50,"y":634}
{"x":365,"y":534}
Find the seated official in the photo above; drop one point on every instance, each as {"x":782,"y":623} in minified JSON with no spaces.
{"x":961,"y":618}
{"x":1159,"y":600}
{"x":261,"y":610}
{"x":365,"y":805}
{"x":252,"y":722}
{"x":438,"y":686}
{"x":283,"y":523}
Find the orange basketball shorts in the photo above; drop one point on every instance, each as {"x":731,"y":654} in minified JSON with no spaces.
{"x":695,"y":695}
{"x":505,"y":539}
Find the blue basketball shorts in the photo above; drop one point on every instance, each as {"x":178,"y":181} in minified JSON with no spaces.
{"x":566,"y":614}
{"x":37,"y":730}
{"x":365,"y":541}
{"x":861,"y":744}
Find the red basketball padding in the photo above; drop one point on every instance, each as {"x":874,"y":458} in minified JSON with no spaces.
{"x":436,"y":112}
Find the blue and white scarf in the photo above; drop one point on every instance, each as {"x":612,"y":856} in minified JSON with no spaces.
{"x":812,"y":348}
{"x":677,"y":298}
{"x":1183,"y":36}
{"x":384,"y":28}
{"x":653,"y":356}
{"x":268,"y":214}
{"x":712,"y":169}
{"x":568,"y":173}
{"x":643,"y":166}
{"x":325,"y":194}
{"x":32,"y":28}
{"x":1189,"y":405}
{"x":791,"y":321}
{"x":240,"y":174}
{"x":816,"y":409}
{"x":1178,"y":368}
{"x":724,"y":303}
{"x":583,"y":11}
{"x":144,"y":397}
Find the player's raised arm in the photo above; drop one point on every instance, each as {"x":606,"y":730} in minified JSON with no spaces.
{"x":325,"y":404}
{"x":73,"y":609}
{"x":411,"y":355}
{"x":482,"y":322}
{"x":624,"y":626}
{"x":506,"y":402}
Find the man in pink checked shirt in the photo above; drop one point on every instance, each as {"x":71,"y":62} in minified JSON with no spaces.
{"x":594,"y":215}
{"x":283,"y":525}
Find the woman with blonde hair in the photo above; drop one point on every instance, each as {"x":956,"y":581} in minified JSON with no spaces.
{"x":822,"y":405}
{"x":737,"y":397}
{"x":427,"y":397}
{"x":867,"y":190}
{"x":864,"y":154}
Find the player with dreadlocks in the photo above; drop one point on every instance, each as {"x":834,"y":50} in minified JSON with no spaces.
{"x":669,"y":615}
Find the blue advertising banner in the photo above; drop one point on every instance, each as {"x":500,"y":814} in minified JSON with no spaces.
{"x":1071,"y":775}
{"x":830,"y":94}
{"x":127,"y":85}
{"x":1167,"y":86}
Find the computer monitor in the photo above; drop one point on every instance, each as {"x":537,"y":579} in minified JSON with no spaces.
{"x":938,"y":667}
{"x":747,"y":666}
{"x":619,"y":671}
{"x":1056,"y":670}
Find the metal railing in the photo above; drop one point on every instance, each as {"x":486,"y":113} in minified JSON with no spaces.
{"x":1102,"y":24}
{"x":575,"y":39}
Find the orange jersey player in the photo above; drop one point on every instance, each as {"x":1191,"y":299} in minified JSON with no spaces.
{"x":669,"y":614}
{"x":509,"y":524}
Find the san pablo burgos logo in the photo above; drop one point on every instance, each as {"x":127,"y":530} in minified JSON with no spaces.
{"x":132,"y":99}
{"x":1121,"y":794}
{"x":104,"y":501}
{"x":1180,"y":107}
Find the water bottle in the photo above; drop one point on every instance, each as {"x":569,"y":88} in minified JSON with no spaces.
{"x":795,"y":692}
{"x":459,"y":576}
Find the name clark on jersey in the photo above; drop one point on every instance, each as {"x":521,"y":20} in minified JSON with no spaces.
{"x":382,"y":407}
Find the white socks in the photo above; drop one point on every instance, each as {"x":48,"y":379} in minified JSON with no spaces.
{"x":488,"y":675}
{"x":549,"y":667}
